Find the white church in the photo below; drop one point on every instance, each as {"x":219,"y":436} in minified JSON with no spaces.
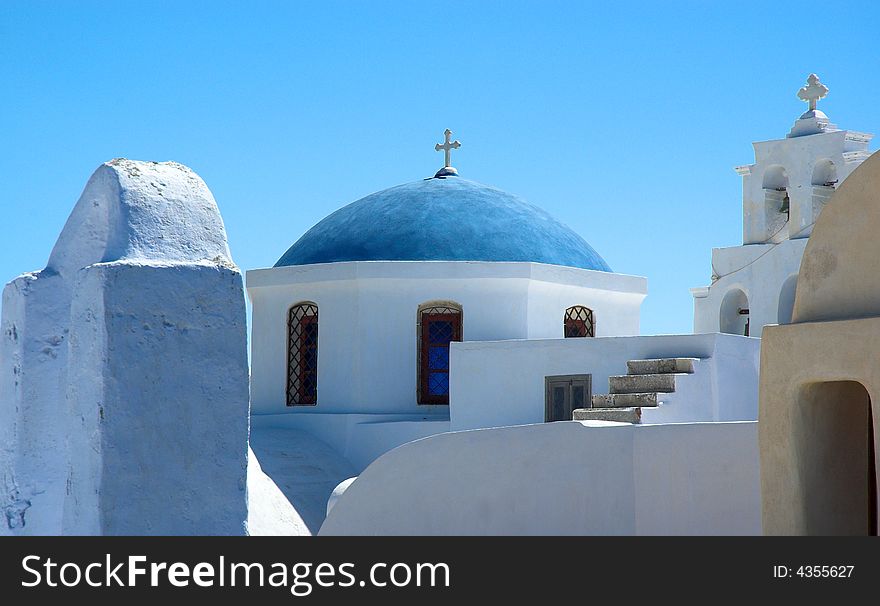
{"x":439,"y":357}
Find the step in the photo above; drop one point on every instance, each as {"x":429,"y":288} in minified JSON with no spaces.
{"x":663,"y":383}
{"x":621,"y":415}
{"x":624,"y":400}
{"x":661,"y":366}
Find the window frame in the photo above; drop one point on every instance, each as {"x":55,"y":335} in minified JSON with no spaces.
{"x":297,"y":373}
{"x":435,"y":311}
{"x":588,"y":324}
{"x":568,"y":382}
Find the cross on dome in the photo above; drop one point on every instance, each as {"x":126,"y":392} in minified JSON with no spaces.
{"x":447,"y":147}
{"x":813,"y":91}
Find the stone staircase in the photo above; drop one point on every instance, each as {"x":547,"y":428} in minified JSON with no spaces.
{"x":641,"y":387}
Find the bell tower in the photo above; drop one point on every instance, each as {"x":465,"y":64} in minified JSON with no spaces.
{"x":793,"y":178}
{"x":790,"y":182}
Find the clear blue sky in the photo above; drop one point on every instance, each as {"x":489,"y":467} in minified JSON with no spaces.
{"x":624,"y":120}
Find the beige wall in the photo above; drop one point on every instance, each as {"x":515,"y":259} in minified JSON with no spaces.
{"x":838,"y":278}
{"x":817,"y":382}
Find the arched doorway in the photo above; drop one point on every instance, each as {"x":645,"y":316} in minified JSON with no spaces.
{"x":786,"y":300}
{"x":836,"y":454}
{"x":734,"y":314}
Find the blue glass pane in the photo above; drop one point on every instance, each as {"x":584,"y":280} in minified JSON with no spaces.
{"x":438,"y":384}
{"x":440,"y":332}
{"x":438,"y":358}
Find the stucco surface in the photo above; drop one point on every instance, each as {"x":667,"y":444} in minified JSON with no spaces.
{"x":792,"y":163}
{"x":565,"y":478}
{"x":808,"y":454}
{"x":33,"y":358}
{"x":819,"y":375}
{"x":723,"y":388}
{"x":807,"y":169}
{"x":158,"y":443}
{"x":370,"y":306}
{"x":838,"y":277}
{"x":760,"y":271}
{"x":124,"y":396}
{"x":132,"y":210}
{"x":304,"y":469}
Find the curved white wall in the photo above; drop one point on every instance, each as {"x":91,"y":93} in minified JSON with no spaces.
{"x":564,"y":478}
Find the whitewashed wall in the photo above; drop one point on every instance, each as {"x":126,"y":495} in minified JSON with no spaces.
{"x":564,"y":478}
{"x":359,"y":438}
{"x":158,"y":386}
{"x":798,"y":157}
{"x":33,"y":431}
{"x":127,"y":408}
{"x":758,"y":270}
{"x":501,"y":383}
{"x":367,"y":336}
{"x":808,"y":168}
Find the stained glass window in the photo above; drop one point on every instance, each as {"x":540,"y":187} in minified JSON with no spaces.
{"x":439,"y":325}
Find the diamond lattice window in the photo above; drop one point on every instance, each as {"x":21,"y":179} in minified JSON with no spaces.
{"x":439,"y":325}
{"x":302,"y":355}
{"x":579,"y":322}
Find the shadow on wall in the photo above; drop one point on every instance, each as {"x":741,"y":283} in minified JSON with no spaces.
{"x":786,"y":300}
{"x":834,"y":433}
{"x":735,"y":313}
{"x":304,"y":468}
{"x":565,"y":478}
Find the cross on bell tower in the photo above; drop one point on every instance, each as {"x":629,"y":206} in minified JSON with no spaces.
{"x":813,"y":91}
{"x":447,"y":147}
{"x":812,"y":121}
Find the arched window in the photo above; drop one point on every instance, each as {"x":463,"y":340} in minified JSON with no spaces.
{"x":439,"y":325}
{"x":302,"y":355}
{"x":579,"y":322}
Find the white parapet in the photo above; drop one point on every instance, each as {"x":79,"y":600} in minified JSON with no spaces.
{"x":567,"y":478}
{"x":125,"y":408}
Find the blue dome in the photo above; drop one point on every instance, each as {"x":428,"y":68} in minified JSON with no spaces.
{"x":442,"y":219}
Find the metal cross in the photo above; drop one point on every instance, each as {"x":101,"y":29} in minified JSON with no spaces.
{"x":447,"y":146}
{"x":813,"y":91}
